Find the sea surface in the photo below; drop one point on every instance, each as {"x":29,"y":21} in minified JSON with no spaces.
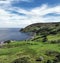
{"x":12,"y":34}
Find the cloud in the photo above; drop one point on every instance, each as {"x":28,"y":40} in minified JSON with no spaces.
{"x":8,"y":19}
{"x":6,"y":4}
{"x":12,"y":1}
{"x":37,"y":14}
{"x":17,"y":17}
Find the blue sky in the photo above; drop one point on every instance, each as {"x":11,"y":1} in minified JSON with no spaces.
{"x":20,"y":13}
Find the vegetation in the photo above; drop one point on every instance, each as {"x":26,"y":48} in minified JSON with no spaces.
{"x":44,"y":47}
{"x":29,"y":52}
{"x":39,"y":27}
{"x":8,"y":41}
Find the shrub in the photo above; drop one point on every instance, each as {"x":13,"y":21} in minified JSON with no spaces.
{"x":49,"y":61}
{"x":52,"y":53}
{"x":44,"y":39}
{"x":40,"y":58}
{"x":56,"y":24}
{"x":55,"y":41}
{"x":8,"y":41}
{"x":58,"y":57}
{"x":22,"y":60}
{"x":53,"y":32}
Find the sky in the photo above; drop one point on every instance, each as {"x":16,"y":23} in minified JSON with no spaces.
{"x":21,"y":13}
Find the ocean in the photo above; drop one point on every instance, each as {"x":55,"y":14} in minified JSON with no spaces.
{"x":12,"y":34}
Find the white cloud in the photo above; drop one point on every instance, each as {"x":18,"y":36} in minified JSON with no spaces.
{"x":6,"y":4}
{"x":8,"y":19}
{"x":10,"y":1}
{"x":37,"y":14}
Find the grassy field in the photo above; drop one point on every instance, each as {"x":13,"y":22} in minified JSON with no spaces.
{"x":32,"y":49}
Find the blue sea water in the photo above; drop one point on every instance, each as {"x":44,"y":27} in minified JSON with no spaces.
{"x":12,"y":34}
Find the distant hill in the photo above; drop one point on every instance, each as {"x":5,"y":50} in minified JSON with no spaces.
{"x":38,"y":26}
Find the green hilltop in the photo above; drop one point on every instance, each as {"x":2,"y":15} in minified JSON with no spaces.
{"x":37,"y":26}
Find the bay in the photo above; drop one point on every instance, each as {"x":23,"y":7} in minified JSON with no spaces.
{"x":12,"y":34}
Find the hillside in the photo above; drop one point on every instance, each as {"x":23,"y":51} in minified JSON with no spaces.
{"x":41,"y":31}
{"x":44,"y":47}
{"x":35,"y":27}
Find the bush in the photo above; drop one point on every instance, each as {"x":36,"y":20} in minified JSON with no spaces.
{"x":55,"y":41}
{"x":49,"y":61}
{"x":53,"y":32}
{"x":8,"y":41}
{"x":40,"y":58}
{"x":56,"y":24}
{"x":22,"y":60}
{"x":44,"y":39}
{"x":53,"y":53}
{"x":58,"y":57}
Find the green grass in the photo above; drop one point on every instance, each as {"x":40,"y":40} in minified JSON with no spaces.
{"x":17,"y":49}
{"x":54,"y":37}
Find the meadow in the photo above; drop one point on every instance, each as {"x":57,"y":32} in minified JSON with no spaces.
{"x":33,"y":50}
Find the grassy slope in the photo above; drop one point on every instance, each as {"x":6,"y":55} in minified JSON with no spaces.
{"x":14,"y":50}
{"x":32,"y":49}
